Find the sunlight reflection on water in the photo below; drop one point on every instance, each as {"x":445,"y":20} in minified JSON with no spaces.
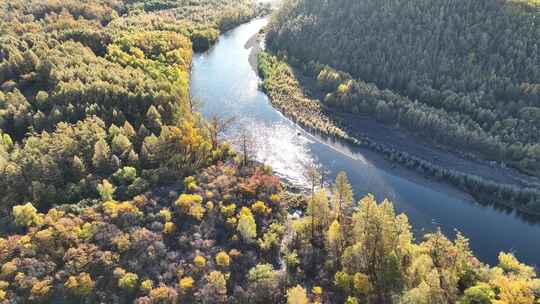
{"x":283,"y":148}
{"x":227,"y":86}
{"x":276,"y":144}
{"x":275,"y":140}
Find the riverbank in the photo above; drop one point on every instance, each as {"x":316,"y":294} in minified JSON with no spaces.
{"x":287,"y":148}
{"x":255,"y":47}
{"x":489,"y":185}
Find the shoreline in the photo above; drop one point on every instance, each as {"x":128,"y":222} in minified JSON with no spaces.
{"x":398,"y":138}
{"x":254,"y":45}
{"x":375,"y":159}
{"x":380,"y":162}
{"x":423,"y":199}
{"x":289,"y":97}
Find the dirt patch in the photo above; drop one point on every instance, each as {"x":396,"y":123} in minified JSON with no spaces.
{"x":254,"y":43}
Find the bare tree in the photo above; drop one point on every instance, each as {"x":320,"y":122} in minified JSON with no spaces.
{"x":246,"y":144}
{"x":218,"y":126}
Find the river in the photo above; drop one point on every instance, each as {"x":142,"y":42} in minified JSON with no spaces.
{"x":226,"y":85}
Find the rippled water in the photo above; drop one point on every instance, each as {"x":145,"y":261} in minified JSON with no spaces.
{"x":226,"y":85}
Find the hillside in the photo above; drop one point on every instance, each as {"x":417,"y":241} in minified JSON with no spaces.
{"x":86,"y":93}
{"x":114,"y":189}
{"x":465,"y":74}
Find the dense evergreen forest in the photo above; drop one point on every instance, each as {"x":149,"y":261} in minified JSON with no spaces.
{"x":115,"y":190}
{"x":465,"y":74}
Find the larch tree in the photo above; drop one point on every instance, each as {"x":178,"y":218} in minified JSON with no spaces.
{"x":343,"y":194}
{"x":102,"y":156}
{"x":246,"y":225}
{"x":297,"y":295}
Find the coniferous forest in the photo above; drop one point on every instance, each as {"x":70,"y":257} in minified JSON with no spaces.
{"x":114,"y":189}
{"x":464,"y":73}
{"x":462,"y":76}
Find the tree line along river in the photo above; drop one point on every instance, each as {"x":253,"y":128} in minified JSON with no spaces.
{"x":226,"y":85}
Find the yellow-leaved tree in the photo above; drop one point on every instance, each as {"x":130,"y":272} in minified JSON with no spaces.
{"x":246,"y":225}
{"x":297,"y":295}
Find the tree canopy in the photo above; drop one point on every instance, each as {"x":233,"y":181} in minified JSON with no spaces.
{"x":464,"y":73}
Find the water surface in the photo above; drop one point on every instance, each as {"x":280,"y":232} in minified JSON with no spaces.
{"x":226,"y":85}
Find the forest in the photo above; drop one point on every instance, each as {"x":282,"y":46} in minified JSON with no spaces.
{"x":283,"y":84}
{"x":465,"y":74}
{"x":116,"y":190}
{"x":86,"y":93}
